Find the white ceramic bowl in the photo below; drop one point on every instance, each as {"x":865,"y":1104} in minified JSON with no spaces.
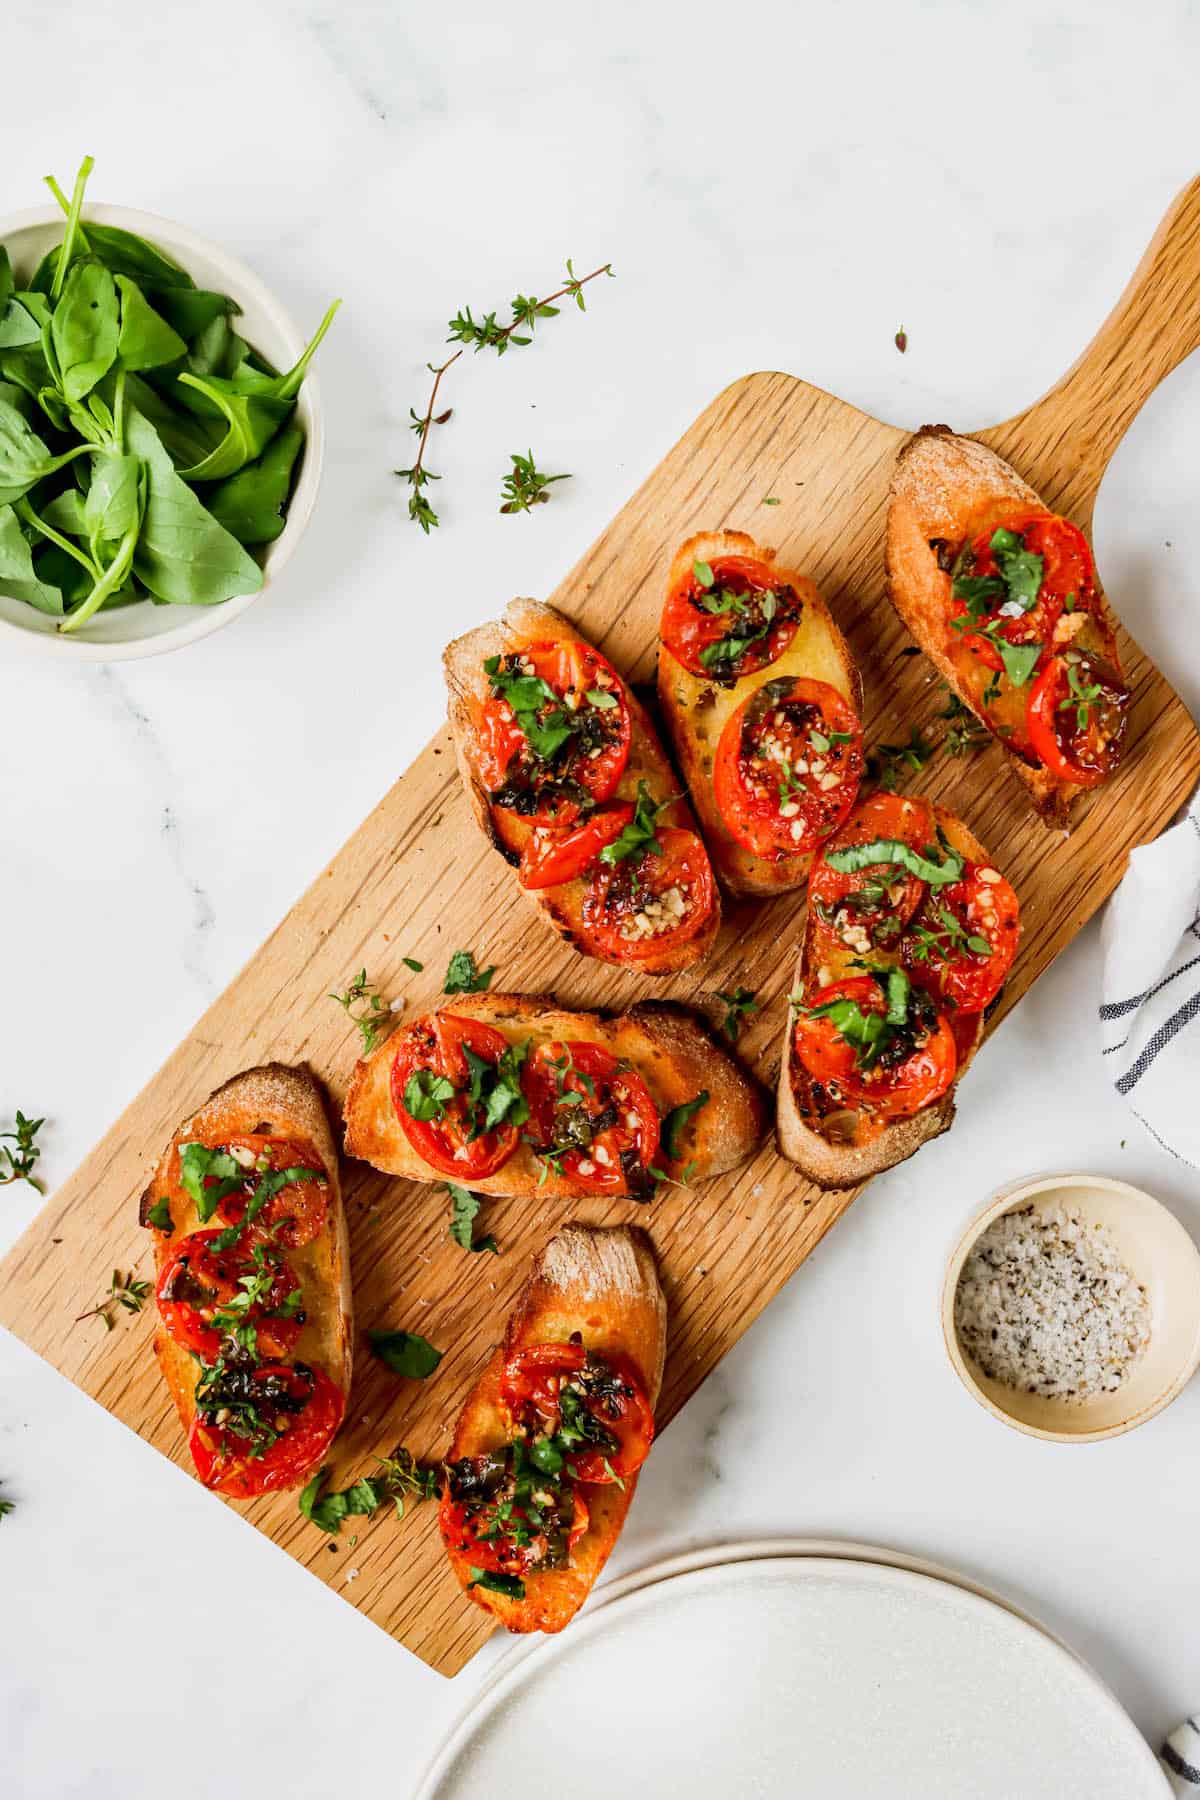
{"x":1158,"y":1253}
{"x":144,"y":629}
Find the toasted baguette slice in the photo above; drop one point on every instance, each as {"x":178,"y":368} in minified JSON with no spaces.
{"x":945,"y":489}
{"x":833,"y":1165}
{"x":695,"y":711}
{"x":528,"y":622}
{"x":603,"y":1283}
{"x":666,"y":1045}
{"x":273,"y":1100}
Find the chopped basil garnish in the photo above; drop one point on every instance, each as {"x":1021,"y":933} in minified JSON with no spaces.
{"x":889,"y":852}
{"x":426,"y":1094}
{"x":638,"y":837}
{"x":675,"y":1121}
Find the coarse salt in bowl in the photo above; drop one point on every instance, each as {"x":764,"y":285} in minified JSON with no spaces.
{"x":1136,"y":1234}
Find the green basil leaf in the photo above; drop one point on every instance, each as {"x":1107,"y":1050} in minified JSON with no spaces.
{"x":426,"y":1094}
{"x":18,"y":578}
{"x":1020,"y":660}
{"x":889,"y":852}
{"x":676,"y":1120}
{"x":197,"y":1163}
{"x":496,"y":1582}
{"x":146,"y":341}
{"x":84,"y":328}
{"x":464,"y":1210}
{"x":405,"y":1353}
{"x":183,"y":556}
{"x":159,"y":1216}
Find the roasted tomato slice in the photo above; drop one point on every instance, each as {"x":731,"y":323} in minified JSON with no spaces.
{"x":870,"y":907}
{"x":962,"y":943}
{"x":1077,"y":717}
{"x":432,"y":1078}
{"x":553,"y":735}
{"x":596,"y":1407}
{"x":280,"y":1420}
{"x":508,"y":1515}
{"x":1068,"y":578}
{"x":295,"y":1214}
{"x":554,"y":853}
{"x":788,"y":766}
{"x":729,"y":618}
{"x":590,"y":1118}
{"x":644,"y":905}
{"x":915,"y":1063}
{"x":198,"y":1283}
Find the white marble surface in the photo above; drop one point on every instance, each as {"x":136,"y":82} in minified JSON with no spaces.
{"x":776,"y":186}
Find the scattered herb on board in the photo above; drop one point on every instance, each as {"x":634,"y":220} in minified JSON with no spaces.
{"x":770,"y":499}
{"x":462,"y":976}
{"x":480,"y":334}
{"x":366,"y":1007}
{"x":964,"y":734}
{"x":901,"y":340}
{"x":888,"y":764}
{"x":145,"y":446}
{"x":464,"y":1210}
{"x":19,"y":1160}
{"x":738,"y":1007}
{"x":405,"y":1353}
{"x":410,"y":962}
{"x":6,"y":1506}
{"x":123,"y":1291}
{"x":525,"y":487}
{"x":401,"y":1477}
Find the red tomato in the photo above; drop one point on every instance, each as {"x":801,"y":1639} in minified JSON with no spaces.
{"x":696,"y":620}
{"x":873,"y":896}
{"x":197,"y":1281}
{"x":293,"y":1216}
{"x":587,"y":765}
{"x":435,"y":1045}
{"x":788,"y":766}
{"x":1077,"y":717}
{"x":609,"y":1389}
{"x":912,"y":1072}
{"x":494,"y":1528}
{"x":982,"y":906}
{"x":553,"y":855}
{"x":1067,"y":572}
{"x":678,"y":883}
{"x":591,"y":1115}
{"x":224,"y":1457}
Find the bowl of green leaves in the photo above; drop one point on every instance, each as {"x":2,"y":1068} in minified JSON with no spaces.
{"x":160,"y":431}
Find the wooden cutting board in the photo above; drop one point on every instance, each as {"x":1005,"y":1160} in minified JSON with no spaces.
{"x":416,"y":880}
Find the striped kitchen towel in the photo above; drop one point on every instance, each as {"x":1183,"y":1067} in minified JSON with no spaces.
{"x":1181,"y":1759}
{"x":1150,"y":1016}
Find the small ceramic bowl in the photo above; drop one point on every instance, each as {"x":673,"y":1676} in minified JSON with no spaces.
{"x":1158,"y":1253}
{"x":143,"y":629}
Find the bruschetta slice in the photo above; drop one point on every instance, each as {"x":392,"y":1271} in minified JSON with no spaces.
{"x":252,"y":1281}
{"x":568,"y":780}
{"x":763,"y":705}
{"x":512,"y":1094}
{"x":546,"y":1452}
{"x":1002,"y":596}
{"x":910,"y":933}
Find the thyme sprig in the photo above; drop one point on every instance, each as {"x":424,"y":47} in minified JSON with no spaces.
{"x":480,"y":334}
{"x":21,"y":1158}
{"x":525,"y":487}
{"x":123,"y":1291}
{"x":366,"y":1007}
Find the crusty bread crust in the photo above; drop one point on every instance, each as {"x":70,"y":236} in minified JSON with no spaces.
{"x":845,"y":1165}
{"x":601,"y":1281}
{"x":668,"y":1046}
{"x":528,"y":622}
{"x":280,"y":1101}
{"x":948,"y":487}
{"x":695,"y":711}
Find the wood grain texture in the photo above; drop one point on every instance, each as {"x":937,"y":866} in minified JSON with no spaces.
{"x":417,"y":880}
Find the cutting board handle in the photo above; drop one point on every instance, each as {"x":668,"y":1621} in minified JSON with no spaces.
{"x":1075,"y":428}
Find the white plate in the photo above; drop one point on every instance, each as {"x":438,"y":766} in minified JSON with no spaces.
{"x":798,"y":1675}
{"x":143,"y":629}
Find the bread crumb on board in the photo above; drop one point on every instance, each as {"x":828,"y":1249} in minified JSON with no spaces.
{"x":1045,"y":1304}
